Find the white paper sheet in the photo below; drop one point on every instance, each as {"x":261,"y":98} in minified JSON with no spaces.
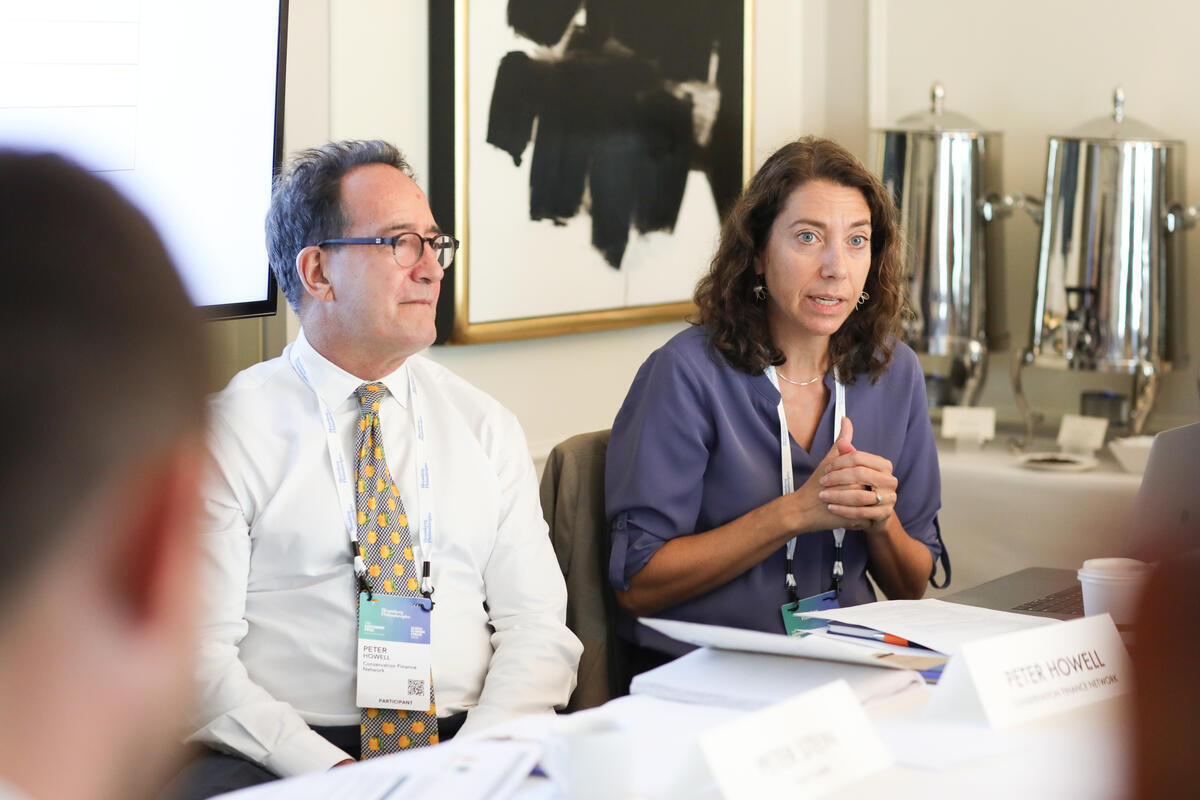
{"x":750,"y":681}
{"x":719,"y":636}
{"x":468,"y":770}
{"x":345,"y":784}
{"x":935,"y":624}
{"x":935,"y":745}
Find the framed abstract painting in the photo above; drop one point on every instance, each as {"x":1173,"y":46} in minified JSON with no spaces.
{"x":584,"y":152}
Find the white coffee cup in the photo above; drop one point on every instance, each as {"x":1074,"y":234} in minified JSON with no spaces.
{"x":1113,"y":586}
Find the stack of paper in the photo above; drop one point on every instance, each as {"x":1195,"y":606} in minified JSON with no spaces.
{"x":750,"y":681}
{"x":931,"y":625}
{"x":841,"y":649}
{"x":820,"y":647}
{"x":935,"y":624}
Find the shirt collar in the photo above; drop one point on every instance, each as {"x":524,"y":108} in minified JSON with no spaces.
{"x":334,"y":385}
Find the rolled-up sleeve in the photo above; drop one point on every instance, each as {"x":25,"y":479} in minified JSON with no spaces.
{"x":660,"y":445}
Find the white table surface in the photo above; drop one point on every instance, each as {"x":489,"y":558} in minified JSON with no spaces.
{"x":998,"y":517}
{"x":1078,"y":754}
{"x":1082,"y":754}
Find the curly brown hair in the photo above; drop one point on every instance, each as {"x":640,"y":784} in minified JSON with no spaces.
{"x":737,"y":322}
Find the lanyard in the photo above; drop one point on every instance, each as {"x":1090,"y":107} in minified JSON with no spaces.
{"x":785,"y":469}
{"x":423,"y":542}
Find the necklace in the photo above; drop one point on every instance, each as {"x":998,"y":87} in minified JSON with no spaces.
{"x":799,"y":383}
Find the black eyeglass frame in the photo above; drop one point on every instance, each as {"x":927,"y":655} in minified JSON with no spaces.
{"x":392,"y":241}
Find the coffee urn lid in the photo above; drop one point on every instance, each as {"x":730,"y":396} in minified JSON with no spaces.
{"x":937,"y":119}
{"x":1117,"y":126}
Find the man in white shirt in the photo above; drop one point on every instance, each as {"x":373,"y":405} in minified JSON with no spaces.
{"x":356,"y":251}
{"x":102,"y":387}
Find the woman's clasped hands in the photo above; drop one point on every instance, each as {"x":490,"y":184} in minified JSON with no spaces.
{"x":851,"y":488}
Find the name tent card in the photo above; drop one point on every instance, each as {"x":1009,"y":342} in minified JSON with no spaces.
{"x":805,"y":746}
{"x":1080,"y":434}
{"x":969,"y":422}
{"x":1017,"y":677}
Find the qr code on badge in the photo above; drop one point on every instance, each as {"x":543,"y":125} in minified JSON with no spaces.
{"x":416,"y":687}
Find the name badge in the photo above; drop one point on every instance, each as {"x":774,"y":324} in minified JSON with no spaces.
{"x":393,"y":652}
{"x":796,"y":625}
{"x":1022,"y":676}
{"x":806,"y":746}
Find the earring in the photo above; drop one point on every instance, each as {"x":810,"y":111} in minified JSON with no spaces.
{"x":760,"y":292}
{"x":862,"y":298}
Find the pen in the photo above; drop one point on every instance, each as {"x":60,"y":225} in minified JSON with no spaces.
{"x":863,"y":633}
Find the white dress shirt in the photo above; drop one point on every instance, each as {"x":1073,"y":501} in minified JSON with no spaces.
{"x":278,"y":644}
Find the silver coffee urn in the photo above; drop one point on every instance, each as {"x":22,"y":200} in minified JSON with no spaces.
{"x":1111,"y":263}
{"x":943,"y":171}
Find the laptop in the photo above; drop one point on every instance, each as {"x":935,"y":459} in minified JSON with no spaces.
{"x":1166,"y":513}
{"x":1040,"y":591}
{"x":1166,"y":522}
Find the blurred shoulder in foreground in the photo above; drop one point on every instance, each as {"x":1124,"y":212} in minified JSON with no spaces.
{"x":102,"y":400}
{"x":1166,"y":656}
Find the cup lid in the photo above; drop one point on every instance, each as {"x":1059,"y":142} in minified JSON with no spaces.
{"x":1114,"y":568}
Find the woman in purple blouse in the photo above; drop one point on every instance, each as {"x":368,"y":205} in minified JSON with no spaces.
{"x":805,"y":288}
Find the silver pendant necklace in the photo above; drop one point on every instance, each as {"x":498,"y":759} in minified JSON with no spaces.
{"x":798,"y":383}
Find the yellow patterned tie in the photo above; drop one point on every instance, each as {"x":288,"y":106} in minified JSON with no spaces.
{"x":385,"y":544}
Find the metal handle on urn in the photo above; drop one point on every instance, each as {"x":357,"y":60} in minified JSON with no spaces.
{"x":1181,"y":219}
{"x":997,"y":206}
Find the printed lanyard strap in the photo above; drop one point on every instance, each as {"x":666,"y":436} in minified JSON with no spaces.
{"x":423,"y":541}
{"x":788,"y":481}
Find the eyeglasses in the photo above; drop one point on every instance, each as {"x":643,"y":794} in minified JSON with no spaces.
{"x":407,"y":248}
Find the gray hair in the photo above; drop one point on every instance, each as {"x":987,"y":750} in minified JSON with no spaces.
{"x":306,"y":205}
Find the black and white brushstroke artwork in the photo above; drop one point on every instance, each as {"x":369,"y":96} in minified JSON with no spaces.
{"x":608,"y":147}
{"x":624,"y":97}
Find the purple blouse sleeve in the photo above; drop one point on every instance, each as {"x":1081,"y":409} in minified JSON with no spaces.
{"x":656,"y":460}
{"x":919,"y":494}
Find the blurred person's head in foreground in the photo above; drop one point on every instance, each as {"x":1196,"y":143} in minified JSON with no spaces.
{"x":101,"y":397}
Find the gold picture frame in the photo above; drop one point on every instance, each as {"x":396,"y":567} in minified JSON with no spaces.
{"x":452,"y":153}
